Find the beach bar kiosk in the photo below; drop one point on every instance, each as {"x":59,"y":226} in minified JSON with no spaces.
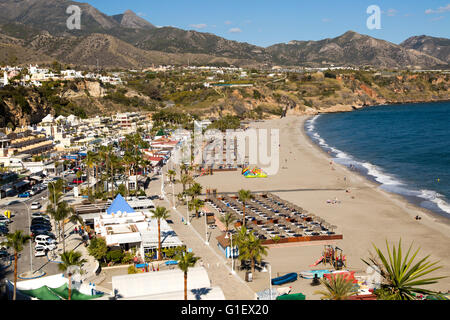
{"x":224,"y":245}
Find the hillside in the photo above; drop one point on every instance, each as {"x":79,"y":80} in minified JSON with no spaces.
{"x":350,"y":48}
{"x":294,"y":93}
{"x":436,"y":47}
{"x":36,"y":21}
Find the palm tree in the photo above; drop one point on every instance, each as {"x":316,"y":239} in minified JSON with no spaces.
{"x":196,"y":205}
{"x":183,"y":169}
{"x":401,"y":278}
{"x":195,"y":190}
{"x":251,"y":248}
{"x":186,"y":260}
{"x":171,"y":174}
{"x":184,"y":180}
{"x":89,"y":161}
{"x":61,"y":213}
{"x":228,"y":220}
{"x":16,"y":240}
{"x":160,"y":213}
{"x":337,"y":288}
{"x":244,"y":196}
{"x":69,"y":260}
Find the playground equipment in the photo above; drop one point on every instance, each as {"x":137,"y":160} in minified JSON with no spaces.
{"x":206,"y":172}
{"x":333,"y":256}
{"x":253,"y":173}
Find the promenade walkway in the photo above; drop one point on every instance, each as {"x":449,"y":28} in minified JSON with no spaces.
{"x":219,"y":272}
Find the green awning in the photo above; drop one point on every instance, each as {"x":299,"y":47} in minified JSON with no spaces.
{"x":60,"y":293}
{"x":295,"y":296}
{"x":42,"y":293}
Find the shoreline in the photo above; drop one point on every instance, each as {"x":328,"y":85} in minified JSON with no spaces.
{"x":376,"y":185}
{"x":351,"y":108}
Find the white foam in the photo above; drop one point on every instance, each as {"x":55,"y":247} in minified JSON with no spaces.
{"x":379,"y":175}
{"x":388,"y":182}
{"x":435,"y":198}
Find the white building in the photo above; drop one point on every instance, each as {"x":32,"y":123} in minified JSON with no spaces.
{"x":166,"y":285}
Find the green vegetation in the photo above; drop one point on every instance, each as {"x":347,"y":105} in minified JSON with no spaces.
{"x":402,"y":277}
{"x":337,"y":288}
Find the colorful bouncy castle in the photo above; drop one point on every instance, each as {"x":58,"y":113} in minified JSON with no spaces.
{"x":253,"y":173}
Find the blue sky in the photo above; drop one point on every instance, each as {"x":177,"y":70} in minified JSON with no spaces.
{"x":266,"y":22}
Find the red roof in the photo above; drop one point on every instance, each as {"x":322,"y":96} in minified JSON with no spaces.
{"x":154,"y":158}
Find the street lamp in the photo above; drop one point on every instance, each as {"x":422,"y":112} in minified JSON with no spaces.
{"x":270,"y":280}
{"x":206,"y":228}
{"x":231,"y":252}
{"x":173,"y":195}
{"x":187,"y":209}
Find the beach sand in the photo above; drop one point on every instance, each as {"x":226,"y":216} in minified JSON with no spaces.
{"x":367,"y":215}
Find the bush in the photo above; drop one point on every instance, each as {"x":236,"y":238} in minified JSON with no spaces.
{"x":133,"y":270}
{"x":128,"y":258}
{"x":115,"y":256}
{"x":97,"y":248}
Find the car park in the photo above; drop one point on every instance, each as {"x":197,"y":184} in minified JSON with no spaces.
{"x":35,"y":206}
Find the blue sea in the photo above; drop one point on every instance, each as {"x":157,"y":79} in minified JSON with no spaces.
{"x":405,"y":148}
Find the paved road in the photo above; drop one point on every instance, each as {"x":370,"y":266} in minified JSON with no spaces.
{"x":21,"y":221}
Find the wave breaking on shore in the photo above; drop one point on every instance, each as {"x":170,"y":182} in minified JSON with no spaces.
{"x":424,"y":198}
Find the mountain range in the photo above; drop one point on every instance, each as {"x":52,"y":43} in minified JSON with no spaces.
{"x":35,"y":31}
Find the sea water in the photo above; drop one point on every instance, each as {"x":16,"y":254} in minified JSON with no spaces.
{"x":405,"y":148}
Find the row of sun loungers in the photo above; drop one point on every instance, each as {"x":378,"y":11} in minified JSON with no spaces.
{"x":269,"y":216}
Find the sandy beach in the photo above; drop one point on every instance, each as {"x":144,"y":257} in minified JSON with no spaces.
{"x":365,"y":216}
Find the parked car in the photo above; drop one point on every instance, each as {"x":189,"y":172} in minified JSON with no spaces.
{"x":4,"y":230}
{"x":24,"y":194}
{"x":40,"y":228}
{"x":35,"y":206}
{"x":46,"y":233}
{"x":40,"y":251}
{"x":39,"y":215}
{"x":41,"y":224}
{"x":40,"y":219}
{"x":43,"y":238}
{"x":5,"y":220}
{"x":48,"y":245}
{"x":3,"y":254}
